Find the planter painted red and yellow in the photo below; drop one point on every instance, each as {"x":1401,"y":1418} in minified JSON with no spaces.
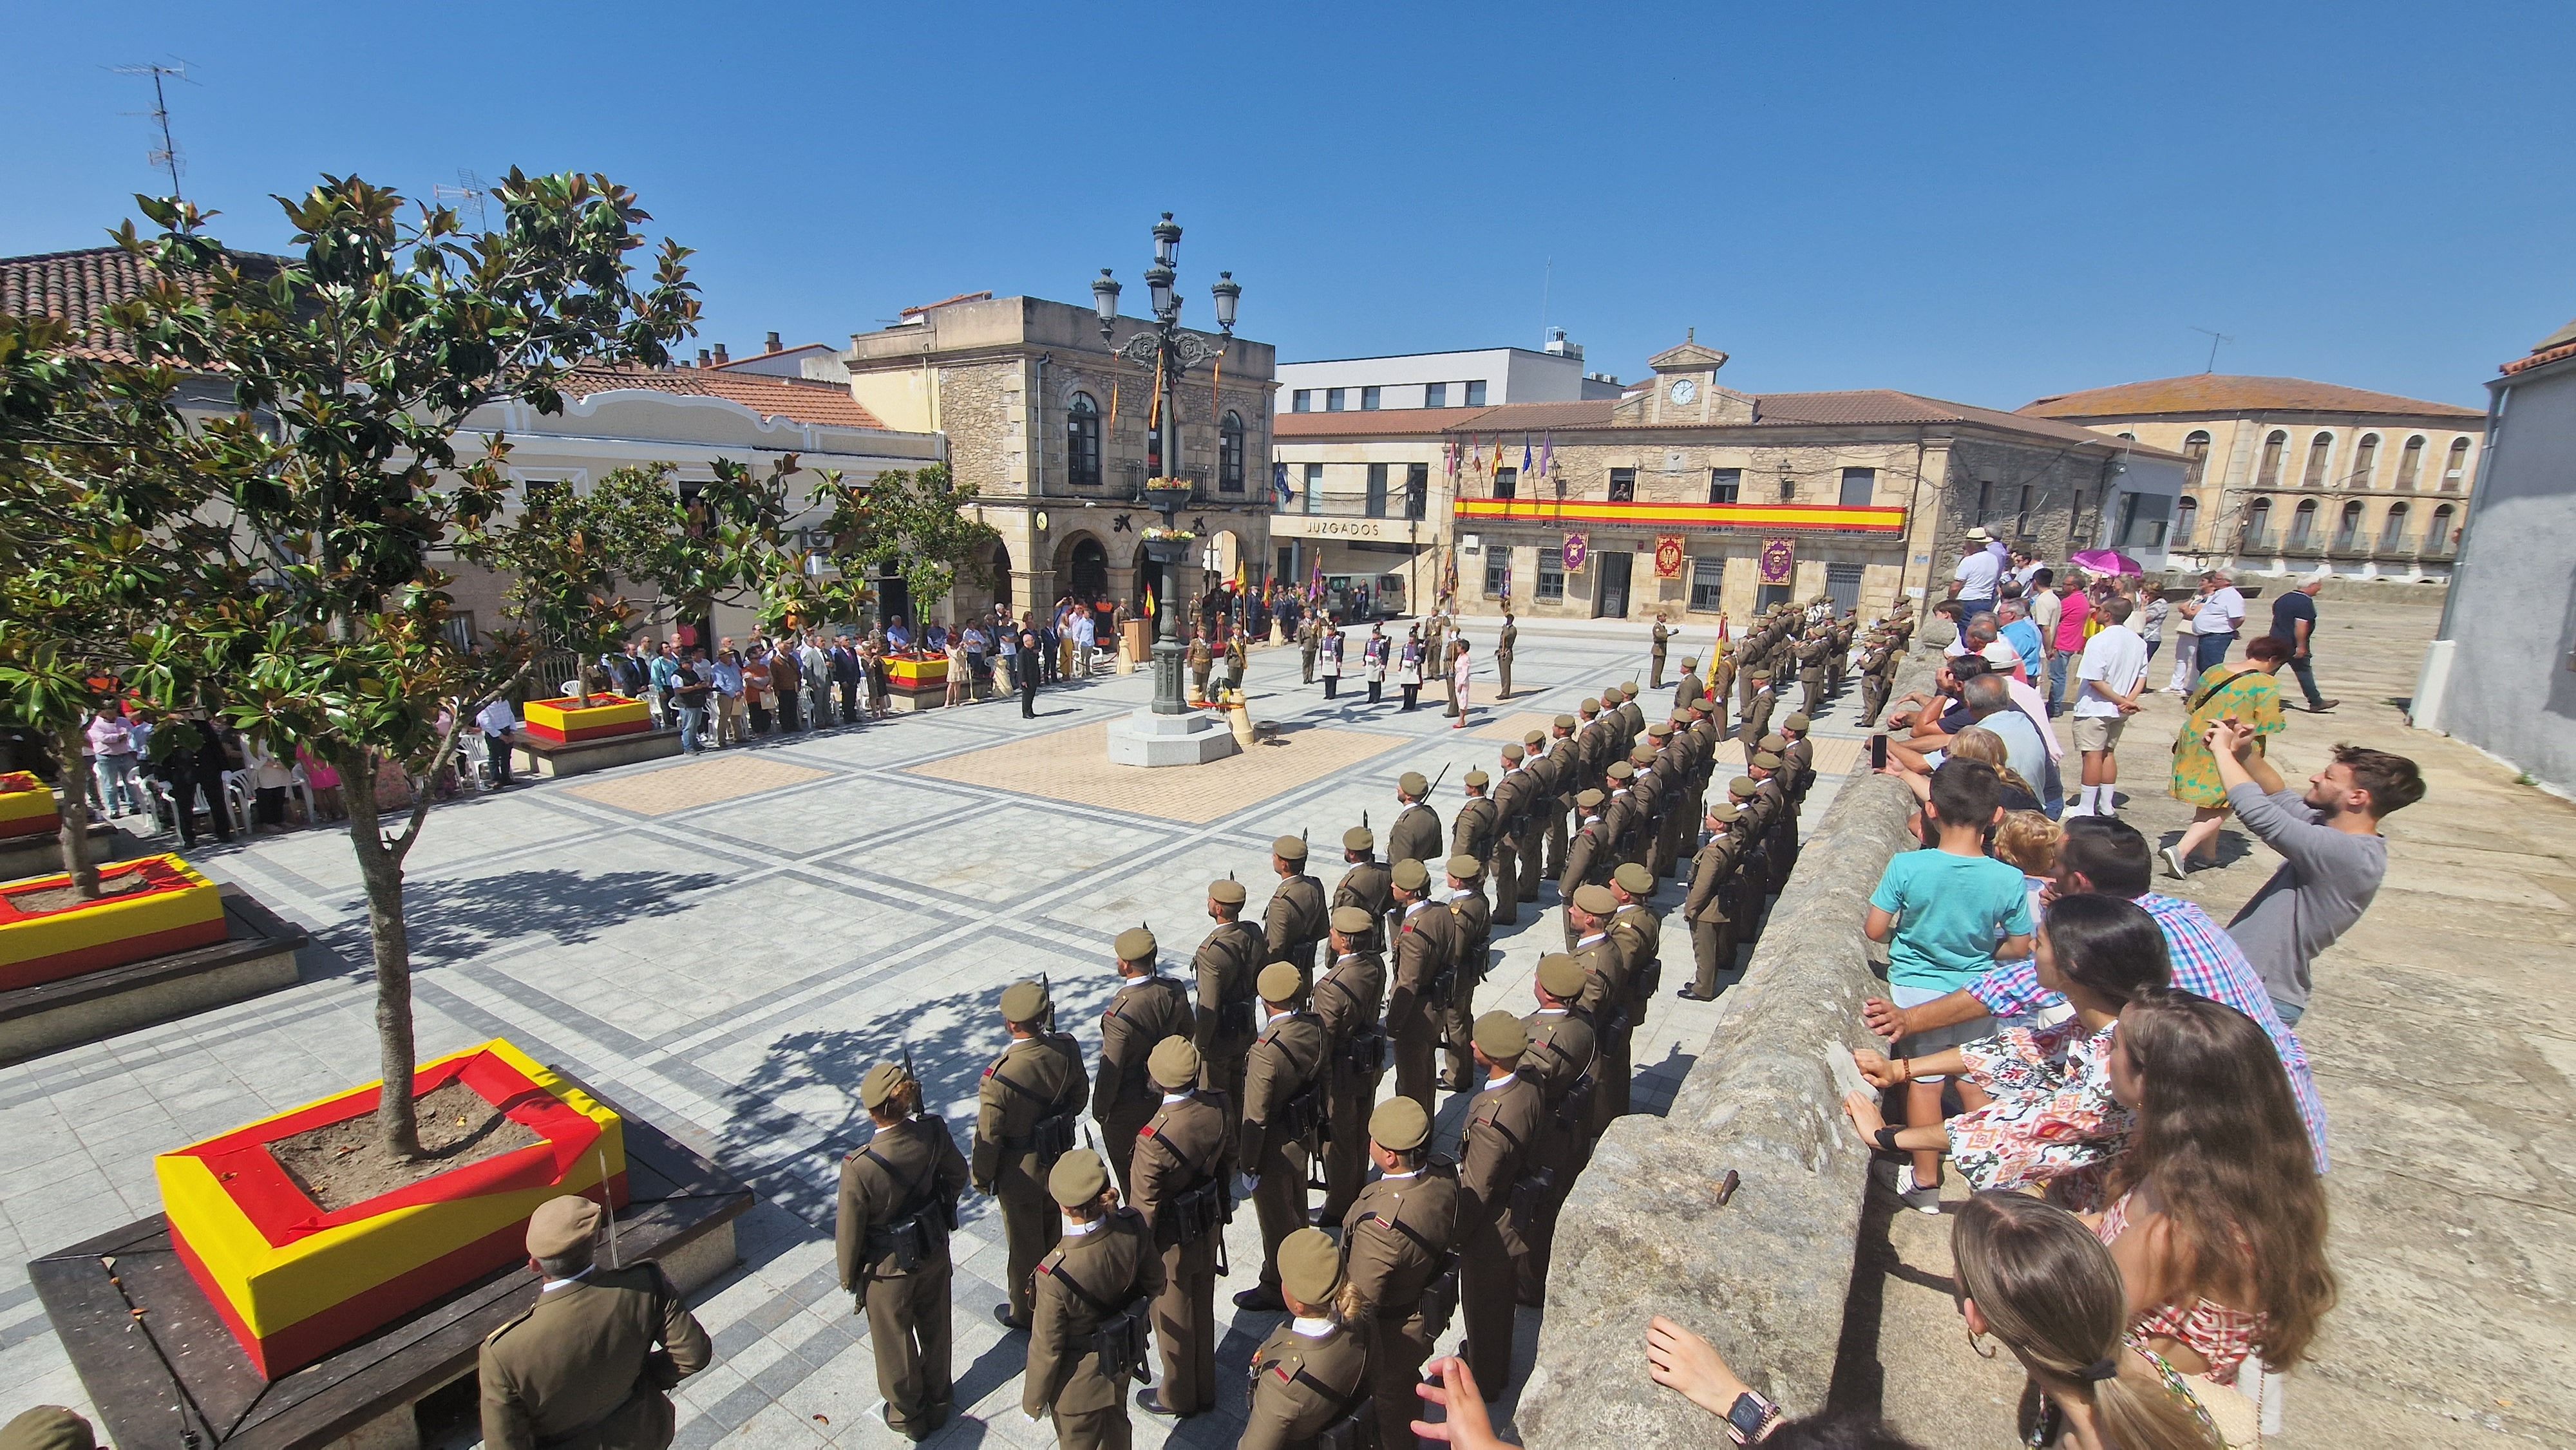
{"x":295,"y":1283}
{"x":175,"y":910}
{"x":26,"y":807}
{"x":565,"y":722}
{"x":912,"y":674}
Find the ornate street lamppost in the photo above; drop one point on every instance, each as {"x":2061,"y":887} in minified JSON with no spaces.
{"x":1171,"y":352}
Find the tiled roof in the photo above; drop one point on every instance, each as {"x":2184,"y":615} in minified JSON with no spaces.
{"x":2225,"y":394}
{"x":826,"y":405}
{"x":1861,"y":408}
{"x":1372,"y":423}
{"x":2550,"y":349}
{"x":79,"y":287}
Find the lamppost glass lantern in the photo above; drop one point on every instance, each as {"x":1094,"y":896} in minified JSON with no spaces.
{"x":1158,"y":279}
{"x":1104,"y":298}
{"x":1167,"y":241}
{"x":1228,"y":292}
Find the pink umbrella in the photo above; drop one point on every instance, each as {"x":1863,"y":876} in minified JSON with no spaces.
{"x":2106,"y":561}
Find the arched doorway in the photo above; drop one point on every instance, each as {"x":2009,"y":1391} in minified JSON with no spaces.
{"x":1085,"y":569}
{"x":1000,"y":566}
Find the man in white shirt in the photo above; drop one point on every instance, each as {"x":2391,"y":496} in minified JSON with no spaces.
{"x":1973,"y":582}
{"x":2108,"y":681}
{"x":497,"y":721}
{"x":2221,"y":613}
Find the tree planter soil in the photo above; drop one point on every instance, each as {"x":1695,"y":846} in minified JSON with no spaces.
{"x":343,"y":1163}
{"x":63,"y":898}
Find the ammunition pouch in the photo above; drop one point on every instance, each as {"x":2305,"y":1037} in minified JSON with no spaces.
{"x":1355,"y":1428}
{"x":1201,"y":1211}
{"x":1440,"y":1298}
{"x":1120,"y":1343}
{"x":1302,"y":1116}
{"x":1234,"y":1020}
{"x":1052,"y":1138}
{"x":1362,"y":1057}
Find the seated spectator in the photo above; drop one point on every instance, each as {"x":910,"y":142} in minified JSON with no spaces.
{"x":2097,"y":853}
{"x":324,"y":782}
{"x":2247,"y":695}
{"x":1982,"y":640}
{"x":2333,"y":856}
{"x":1990,"y":704}
{"x":1973,"y":743}
{"x":2051,"y":1119}
{"x":1947,"y":915}
{"x":1931,"y":720}
{"x":2217,"y":1217}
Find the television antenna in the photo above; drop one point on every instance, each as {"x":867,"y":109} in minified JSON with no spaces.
{"x":167,"y":155}
{"x":468,"y":190}
{"x":2215,"y":338}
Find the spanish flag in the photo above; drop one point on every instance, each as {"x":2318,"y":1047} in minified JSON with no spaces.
{"x":1149,"y":601}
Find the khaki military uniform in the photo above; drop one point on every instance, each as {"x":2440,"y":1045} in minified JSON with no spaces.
{"x":1201,"y":662}
{"x":1425,"y":947}
{"x":1687,"y":689}
{"x":1415,"y":836}
{"x":1503,"y":660}
{"x":1295,"y":923}
{"x":1225,"y":965}
{"x":1346,"y":1002}
{"x":1655,"y":656}
{"x":1309,"y":637}
{"x":1473,"y":832}
{"x":1605,"y":996}
{"x":1811,"y":674}
{"x":1302,"y":1383}
{"x":1560,"y":1060}
{"x":1145,"y":1011}
{"x":1369,"y":887}
{"x":1189,"y":1144}
{"x":1466,"y":973}
{"x":908,"y":1170}
{"x":1549,"y":801}
{"x":1084,"y":1280}
{"x":1623,"y":820}
{"x":1588,"y":861}
{"x":1396,"y":1240}
{"x":1512,"y":836}
{"x":591,"y":1364}
{"x":1286,"y":1066}
{"x":1503,"y":1125}
{"x":1035,"y":1079}
{"x":1639,"y":933}
{"x":1709,"y":908}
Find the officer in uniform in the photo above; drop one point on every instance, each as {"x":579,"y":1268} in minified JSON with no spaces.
{"x":1024,"y":1115}
{"x":1560,"y":1060}
{"x":898,"y":1202}
{"x":1757,"y":714}
{"x":1655,"y":658}
{"x":1503,"y":656}
{"x":1294,"y":920}
{"x":1811,"y":668}
{"x":1201,"y":662}
{"x":1415,"y":836}
{"x":1753,"y":876}
{"x":1345,"y":1001}
{"x":1234,"y":662}
{"x":1564,"y":779}
{"x":1781,"y":847}
{"x":1709,"y":908}
{"x":1226,"y":965}
{"x":591,"y":1364}
{"x":1606,"y":993}
{"x":1632,"y":716}
{"x":1689,"y":688}
{"x":1147,"y":1008}
{"x":1183,"y":1158}
{"x":1586,"y":860}
{"x":1283,"y":1104}
{"x":1466,"y":902}
{"x":1426,"y":944}
{"x":1623,"y":817}
{"x":1102,"y":1270}
{"x":1396,"y":1245}
{"x":1721,"y":679}
{"x":1365,"y":885}
{"x":1313,"y":1371}
{"x":1504,"y":1121}
{"x":1640,"y":935}
{"x":1310,"y":634}
{"x":1512,"y":822}
{"x":1797,"y":757}
{"x":1878,"y":676}
{"x":1473,"y":833}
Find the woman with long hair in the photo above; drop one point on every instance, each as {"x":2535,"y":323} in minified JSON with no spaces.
{"x":2217,"y":1217}
{"x":2246,"y":693}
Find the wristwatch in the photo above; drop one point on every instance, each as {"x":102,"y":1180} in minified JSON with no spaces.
{"x":1750,"y":1418}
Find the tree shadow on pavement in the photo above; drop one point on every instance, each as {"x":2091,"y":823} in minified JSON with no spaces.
{"x":455,"y":920}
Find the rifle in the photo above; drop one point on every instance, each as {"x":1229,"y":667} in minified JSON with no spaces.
{"x":1443,"y":775}
{"x":916,"y":1077}
{"x":1050,"y":1001}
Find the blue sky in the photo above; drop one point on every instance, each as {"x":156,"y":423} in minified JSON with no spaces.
{"x":1986,"y":203}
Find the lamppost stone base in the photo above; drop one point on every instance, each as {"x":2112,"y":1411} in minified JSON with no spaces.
{"x":1148,"y":739}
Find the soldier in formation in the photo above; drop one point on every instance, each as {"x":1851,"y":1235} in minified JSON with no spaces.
{"x":1024,"y":1124}
{"x":1294,"y":922}
{"x":1226,"y":966}
{"x":1146,"y":1008}
{"x":1284,"y":1090}
{"x":898,"y":1204}
{"x":591,"y":1364}
{"x":1310,"y":1378}
{"x":1182,"y":1189}
{"x":1089,"y":1310}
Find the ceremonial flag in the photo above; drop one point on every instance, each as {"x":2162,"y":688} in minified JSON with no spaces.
{"x":1279,"y":483}
{"x":1497,"y":466}
{"x":1216,"y":391}
{"x":1149,"y":601}
{"x":1154,"y":412}
{"x":1525,"y":455}
{"x":1113,"y":408}
{"x":1547,"y":456}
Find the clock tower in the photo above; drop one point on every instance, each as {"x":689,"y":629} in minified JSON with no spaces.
{"x":1685,"y":391}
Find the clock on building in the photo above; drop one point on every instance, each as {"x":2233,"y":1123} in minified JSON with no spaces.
{"x":1683,"y":391}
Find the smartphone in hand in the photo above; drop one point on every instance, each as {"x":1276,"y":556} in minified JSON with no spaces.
{"x":1878,"y":752}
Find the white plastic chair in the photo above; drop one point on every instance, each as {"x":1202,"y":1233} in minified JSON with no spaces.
{"x":296,"y":786}
{"x":238,"y":796}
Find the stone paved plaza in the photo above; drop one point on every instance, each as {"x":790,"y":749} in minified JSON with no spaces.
{"x":724,"y":944}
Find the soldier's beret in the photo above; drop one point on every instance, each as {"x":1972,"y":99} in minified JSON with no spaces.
{"x":1539,"y":737}
{"x":881,"y":1083}
{"x":1289,"y":848}
{"x":1761,"y":675}
{"x":1563,"y":722}
{"x":1078,"y":1178}
{"x":1772,"y":742}
{"x":52,"y":1427}
{"x":1359,"y":838}
{"x":1413,"y":782}
{"x":1353,"y":920}
{"x":1478,"y":777}
{"x":1135,"y":944}
{"x":1173,"y":1063}
{"x":1310,"y":1266}
{"x":1561,"y":975}
{"x":1226,"y":893}
{"x":1690,"y":662}
{"x":1501,"y":1036}
{"x":1798,"y":723}
{"x":1400,"y":1124}
{"x":1590,"y":800}
{"x":1595,"y":900}
{"x":1743,"y":785}
{"x":1590,"y":707}
{"x":1412,"y":875}
{"x":1634,"y":879}
{"x":1699,"y":708}
{"x":1610,"y":697}
{"x":1767,"y":761}
{"x":1465,"y":868}
{"x":1660,"y":729}
{"x":1023,"y":1002}
{"x":1279,"y":982}
{"x":1644,"y":755}
{"x":1628,"y":689}
{"x":1621,"y":770}
{"x":1511,"y":755}
{"x":562,"y":1225}
{"x":1724,"y":812}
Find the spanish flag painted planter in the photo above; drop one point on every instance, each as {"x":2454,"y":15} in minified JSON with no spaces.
{"x":295,"y":1283}
{"x":173,"y":910}
{"x":26,"y":807}
{"x":565,"y":721}
{"x":912,"y":674}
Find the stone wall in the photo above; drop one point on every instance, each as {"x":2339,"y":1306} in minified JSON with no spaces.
{"x":1764,"y":1275}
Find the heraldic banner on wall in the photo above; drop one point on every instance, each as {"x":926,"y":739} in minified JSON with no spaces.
{"x":1779,"y":561}
{"x":1577,"y":549}
{"x":1670,"y":555}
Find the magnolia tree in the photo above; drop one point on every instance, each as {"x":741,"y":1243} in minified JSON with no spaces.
{"x":915,"y":520}
{"x":353,"y":368}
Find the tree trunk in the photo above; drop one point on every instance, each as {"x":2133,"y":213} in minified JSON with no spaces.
{"x":397,"y":1122}
{"x":74,"y":832}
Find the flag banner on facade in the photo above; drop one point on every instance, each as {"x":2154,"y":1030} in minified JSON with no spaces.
{"x":1547,"y":456}
{"x":1449,"y":574}
{"x":1779,"y":561}
{"x":1577,"y":549}
{"x":1279,"y":483}
{"x":1670,"y":555}
{"x":1525,"y":455}
{"x":1154,"y":411}
{"x":1497,"y":465}
{"x":1216,"y":391}
{"x":1149,"y":601}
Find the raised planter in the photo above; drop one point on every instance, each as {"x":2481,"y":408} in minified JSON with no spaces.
{"x":916,"y":684}
{"x":36,"y":855}
{"x":256,"y":955}
{"x":549,"y":759}
{"x":173,"y":910}
{"x":26,"y":807}
{"x":567,"y":722}
{"x":294,"y":1282}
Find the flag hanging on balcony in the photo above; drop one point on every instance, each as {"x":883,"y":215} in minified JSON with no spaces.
{"x":1547,"y":456}
{"x":1113,"y":409}
{"x":1154,"y":411}
{"x":1525,"y":455}
{"x":1279,"y":484}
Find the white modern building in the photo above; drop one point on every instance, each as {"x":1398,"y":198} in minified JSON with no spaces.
{"x":1482,"y":377}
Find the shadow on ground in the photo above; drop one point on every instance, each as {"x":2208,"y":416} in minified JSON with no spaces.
{"x":455,"y":920}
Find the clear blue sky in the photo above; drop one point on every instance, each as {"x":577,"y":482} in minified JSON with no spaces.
{"x":1983,"y":202}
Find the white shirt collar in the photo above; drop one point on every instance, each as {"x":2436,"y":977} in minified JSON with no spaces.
{"x":1176,"y":1097}
{"x":1411,"y":907}
{"x":1276,"y":1016}
{"x":1408,"y":1173}
{"x":1074,"y":1230}
{"x":1549,"y":1012}
{"x":1589,"y":940}
{"x":554,"y":1284}
{"x":1505,"y":1080}
{"x":1311,"y":1328}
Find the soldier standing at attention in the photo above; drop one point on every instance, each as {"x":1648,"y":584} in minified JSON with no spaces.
{"x":1811,"y":668}
{"x":1473,"y":833}
{"x":1605,"y":996}
{"x":1024,"y":1115}
{"x":1310,"y":637}
{"x":1757,"y":716}
{"x":1624,"y":815}
{"x":1632,"y":716}
{"x":1797,"y":757}
{"x":1148,"y":1007}
{"x":1415,"y":836}
{"x":1283,"y":1104}
{"x":1466,"y":902}
{"x":1503,"y":656}
{"x":1587,"y":860}
{"x":1100,"y":1272}
{"x":1512,"y":820}
{"x":1312,"y":1373}
{"x":1503,"y":1123}
{"x":1780,"y":822}
{"x":1560,"y":1060}
{"x":1721,"y":681}
{"x":1688,"y":689}
{"x":1708,"y":906}
{"x":1564,"y":778}
{"x":1655,"y":658}
{"x":1425,"y":946}
{"x":591,"y":1364}
{"x":1346,"y":1001}
{"x":1182,"y":1158}
{"x":898,"y":1202}
{"x":1294,"y":923}
{"x":1395,"y":1242}
{"x":1640,"y":935}
{"x":1201,"y":663}
{"x":1226,"y":965}
{"x":1234,"y":662}
{"x":1365,"y":885}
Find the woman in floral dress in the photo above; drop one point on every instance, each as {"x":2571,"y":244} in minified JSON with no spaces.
{"x":2244,"y":692}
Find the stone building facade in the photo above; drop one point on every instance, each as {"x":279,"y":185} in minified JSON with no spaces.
{"x":1050,"y":428}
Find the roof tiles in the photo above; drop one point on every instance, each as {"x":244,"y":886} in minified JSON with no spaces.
{"x":2225,"y":394}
